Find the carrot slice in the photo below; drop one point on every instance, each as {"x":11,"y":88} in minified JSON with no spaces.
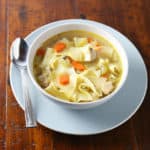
{"x":64,"y":79}
{"x":105,"y":75}
{"x":78,"y":66}
{"x":60,"y":46}
{"x":89,"y":39}
{"x":40,"y":52}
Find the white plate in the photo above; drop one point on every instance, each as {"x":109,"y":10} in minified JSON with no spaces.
{"x":96,"y":120}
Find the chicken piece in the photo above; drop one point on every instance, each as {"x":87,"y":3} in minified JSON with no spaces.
{"x":106,"y":86}
{"x":83,"y":54}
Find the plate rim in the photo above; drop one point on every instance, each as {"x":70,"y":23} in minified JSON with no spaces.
{"x":94,"y":133}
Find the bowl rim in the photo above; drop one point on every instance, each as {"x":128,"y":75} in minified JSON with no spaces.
{"x":98,"y":101}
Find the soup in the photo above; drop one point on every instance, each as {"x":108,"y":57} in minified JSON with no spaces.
{"x":77,"y":66}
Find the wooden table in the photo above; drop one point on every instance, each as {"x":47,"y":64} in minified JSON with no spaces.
{"x":19,"y":18}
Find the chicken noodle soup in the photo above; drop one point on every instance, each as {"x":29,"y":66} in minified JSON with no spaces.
{"x":77,"y":66}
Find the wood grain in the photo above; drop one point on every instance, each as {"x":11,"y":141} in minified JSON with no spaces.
{"x":19,"y":18}
{"x":2,"y":73}
{"x":138,"y":31}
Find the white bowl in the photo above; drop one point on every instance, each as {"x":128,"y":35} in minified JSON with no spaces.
{"x":77,"y":24}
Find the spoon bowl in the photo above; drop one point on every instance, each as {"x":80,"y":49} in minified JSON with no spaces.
{"x":19,"y":50}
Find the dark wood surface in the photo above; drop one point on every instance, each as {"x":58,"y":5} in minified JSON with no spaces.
{"x":19,"y":18}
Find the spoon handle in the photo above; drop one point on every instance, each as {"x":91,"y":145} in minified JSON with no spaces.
{"x":29,"y":115}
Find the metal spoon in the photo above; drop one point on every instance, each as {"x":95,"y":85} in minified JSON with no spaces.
{"x":19,"y":50}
